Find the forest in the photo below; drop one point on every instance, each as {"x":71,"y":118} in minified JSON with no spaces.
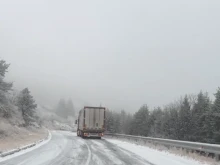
{"x":190,"y":118}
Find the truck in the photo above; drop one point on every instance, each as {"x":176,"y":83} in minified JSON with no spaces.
{"x":91,"y":122}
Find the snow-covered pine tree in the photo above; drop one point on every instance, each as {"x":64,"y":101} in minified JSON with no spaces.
{"x":62,"y":109}
{"x":4,"y":88}
{"x":128,"y":124}
{"x":156,"y":122}
{"x":185,"y":120}
{"x":216,"y":117}
{"x":200,"y":113}
{"x":140,"y":124}
{"x":109,"y":122}
{"x":123,"y":121}
{"x":70,"y":108}
{"x":26,"y":104}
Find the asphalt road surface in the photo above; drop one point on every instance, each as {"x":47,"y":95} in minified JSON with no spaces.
{"x":66,"y":148}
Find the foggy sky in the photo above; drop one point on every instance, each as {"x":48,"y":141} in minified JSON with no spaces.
{"x":120,"y":54}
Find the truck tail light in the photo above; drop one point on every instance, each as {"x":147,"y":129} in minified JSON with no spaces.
{"x":86,"y":134}
{"x":101,"y":134}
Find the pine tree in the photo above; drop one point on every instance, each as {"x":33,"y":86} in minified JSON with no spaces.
{"x":70,"y":108}
{"x":128,"y":124}
{"x":4,"y":89}
{"x":109,"y":122}
{"x":174,"y":126}
{"x":117,"y":123}
{"x":26,"y":104}
{"x":123,"y":121}
{"x":185,"y":120}
{"x":140,"y":124}
{"x":166,"y":126}
{"x":156,"y":122}
{"x":209,"y":128}
{"x":171,"y":117}
{"x":200,"y":114}
{"x":62,"y":109}
{"x":216,"y":117}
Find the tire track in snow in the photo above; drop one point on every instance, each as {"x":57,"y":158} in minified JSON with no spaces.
{"x":89,"y":155}
{"x":66,"y":148}
{"x":127,"y":158}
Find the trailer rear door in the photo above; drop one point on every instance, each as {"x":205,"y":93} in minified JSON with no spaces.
{"x":94,"y":118}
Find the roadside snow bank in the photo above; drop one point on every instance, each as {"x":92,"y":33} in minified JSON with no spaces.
{"x":154,"y":156}
{"x":16,"y":137}
{"x":22,"y":150}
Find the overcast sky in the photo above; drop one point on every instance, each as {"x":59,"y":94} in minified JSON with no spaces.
{"x":121,"y":54}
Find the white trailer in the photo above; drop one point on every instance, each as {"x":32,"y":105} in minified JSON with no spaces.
{"x":91,"y":122}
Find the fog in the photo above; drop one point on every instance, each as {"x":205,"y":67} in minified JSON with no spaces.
{"x":119,"y":54}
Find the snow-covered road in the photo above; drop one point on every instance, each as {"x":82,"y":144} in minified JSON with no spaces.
{"x":65,"y":148}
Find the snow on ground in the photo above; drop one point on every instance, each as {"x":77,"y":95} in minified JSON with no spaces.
{"x":21,"y":137}
{"x":154,"y":156}
{"x":27,"y":150}
{"x":106,"y":150}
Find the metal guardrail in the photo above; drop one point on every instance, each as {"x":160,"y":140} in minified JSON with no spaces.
{"x":193,"y":146}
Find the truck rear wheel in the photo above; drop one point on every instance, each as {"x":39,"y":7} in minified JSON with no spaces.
{"x":81,"y":134}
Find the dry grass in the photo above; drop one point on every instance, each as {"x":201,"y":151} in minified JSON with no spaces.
{"x":12,"y":136}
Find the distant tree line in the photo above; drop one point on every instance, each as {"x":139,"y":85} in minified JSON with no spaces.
{"x":192,"y":118}
{"x":22,"y":102}
{"x":65,"y":109}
